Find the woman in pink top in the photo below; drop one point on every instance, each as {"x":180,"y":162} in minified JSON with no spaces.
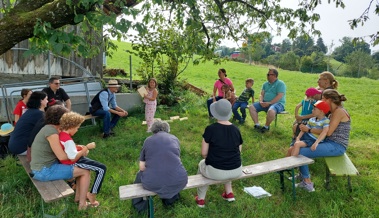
{"x":217,"y":87}
{"x":21,"y":105}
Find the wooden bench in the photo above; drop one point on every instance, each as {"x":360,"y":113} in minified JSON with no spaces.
{"x":276,"y":115}
{"x":340,"y":166}
{"x":50,"y":191}
{"x":279,"y":165}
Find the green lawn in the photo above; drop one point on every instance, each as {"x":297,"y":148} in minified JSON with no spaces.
{"x":19,"y":198}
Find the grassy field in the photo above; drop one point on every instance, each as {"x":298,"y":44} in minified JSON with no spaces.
{"x":19,"y":198}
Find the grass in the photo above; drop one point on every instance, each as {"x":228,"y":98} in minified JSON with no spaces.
{"x":19,"y":198}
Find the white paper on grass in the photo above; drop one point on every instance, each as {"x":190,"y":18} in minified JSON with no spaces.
{"x":257,"y":192}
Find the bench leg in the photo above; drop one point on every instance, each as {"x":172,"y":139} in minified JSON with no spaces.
{"x":276,"y":117}
{"x":349,"y":184}
{"x":281,"y":173}
{"x":52,"y":216}
{"x":327,"y":178}
{"x":151,"y":207}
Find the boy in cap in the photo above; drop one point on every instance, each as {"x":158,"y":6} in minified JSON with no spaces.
{"x":319,"y":121}
{"x":306,"y":105}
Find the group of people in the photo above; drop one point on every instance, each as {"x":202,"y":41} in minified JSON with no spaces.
{"x":322,"y":129}
{"x":45,"y":124}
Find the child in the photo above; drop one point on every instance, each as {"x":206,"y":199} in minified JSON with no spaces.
{"x":228,"y":94}
{"x":69,"y":125}
{"x":319,"y":121}
{"x":151,"y":102}
{"x":242,"y":101}
{"x":21,"y":105}
{"x":306,"y":109}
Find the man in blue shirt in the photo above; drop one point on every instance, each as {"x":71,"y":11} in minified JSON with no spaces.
{"x":271,"y":100}
{"x":104,"y":105}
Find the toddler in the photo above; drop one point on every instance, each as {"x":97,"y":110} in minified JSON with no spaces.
{"x":151,"y":102}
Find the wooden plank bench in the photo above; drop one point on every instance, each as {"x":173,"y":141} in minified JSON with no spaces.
{"x":340,"y":166}
{"x":279,"y":165}
{"x":50,"y":191}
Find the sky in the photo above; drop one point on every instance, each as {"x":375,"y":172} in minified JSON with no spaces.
{"x":333,"y":22}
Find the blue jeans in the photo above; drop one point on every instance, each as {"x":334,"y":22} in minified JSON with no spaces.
{"x":328,"y":148}
{"x":56,"y":171}
{"x":108,"y":124}
{"x":209,"y":102}
{"x":242,"y":106}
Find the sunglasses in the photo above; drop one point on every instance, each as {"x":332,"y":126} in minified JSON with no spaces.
{"x":269,"y":74}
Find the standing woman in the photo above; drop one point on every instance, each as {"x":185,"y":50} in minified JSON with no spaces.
{"x":21,"y":134}
{"x":150,"y":99}
{"x":47,"y":152}
{"x":217,"y":87}
{"x":221,"y":150}
{"x":337,"y":139}
{"x":326,"y":80}
{"x":21,"y":108}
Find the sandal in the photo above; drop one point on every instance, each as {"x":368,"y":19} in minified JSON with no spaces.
{"x":94,"y":204}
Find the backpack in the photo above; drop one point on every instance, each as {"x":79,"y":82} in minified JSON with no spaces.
{"x":4,"y":140}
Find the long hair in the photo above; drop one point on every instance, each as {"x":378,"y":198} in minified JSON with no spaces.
{"x":333,"y":94}
{"x":35,"y":99}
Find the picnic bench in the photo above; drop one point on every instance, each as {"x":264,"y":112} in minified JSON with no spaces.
{"x":340,"y":166}
{"x":279,"y":165}
{"x":50,"y":191}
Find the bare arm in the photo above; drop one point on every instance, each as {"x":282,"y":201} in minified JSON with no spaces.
{"x":16,"y":118}
{"x":204,"y":149}
{"x":68,"y":104}
{"x":320,"y":138}
{"x":142,"y":165}
{"x":277,"y":98}
{"x":56,"y":147}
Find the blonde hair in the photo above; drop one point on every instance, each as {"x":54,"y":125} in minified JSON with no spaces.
{"x":330,"y":77}
{"x":70,"y":120}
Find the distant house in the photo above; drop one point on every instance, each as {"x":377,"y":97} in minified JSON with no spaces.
{"x":235,"y":54}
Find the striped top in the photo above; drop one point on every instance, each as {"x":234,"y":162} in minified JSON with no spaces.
{"x":342,"y":132}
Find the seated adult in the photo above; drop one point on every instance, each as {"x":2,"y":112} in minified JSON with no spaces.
{"x":271,"y":100}
{"x":221,"y":150}
{"x":326,"y":80}
{"x":21,"y":105}
{"x":161,"y":170}
{"x":104,"y":105}
{"x":218,"y":87}
{"x":20,"y":137}
{"x":47,"y":151}
{"x":54,"y":92}
{"x":337,"y":139}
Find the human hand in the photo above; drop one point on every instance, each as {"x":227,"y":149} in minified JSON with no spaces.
{"x":314,"y":146}
{"x":91,"y":145}
{"x":303,"y":128}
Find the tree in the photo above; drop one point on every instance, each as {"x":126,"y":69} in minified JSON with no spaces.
{"x":358,"y":64}
{"x":348,"y":46}
{"x":286,"y":46}
{"x":321,"y":46}
{"x":303,"y":46}
{"x":289,"y":61}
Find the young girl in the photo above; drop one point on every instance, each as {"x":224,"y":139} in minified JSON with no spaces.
{"x":228,"y":94}
{"x":21,"y":105}
{"x":306,"y":105}
{"x":151,"y":102}
{"x":69,"y":125}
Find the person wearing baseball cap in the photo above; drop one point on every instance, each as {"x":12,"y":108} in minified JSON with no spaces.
{"x":104,"y":105}
{"x":306,"y":105}
{"x":309,"y":139}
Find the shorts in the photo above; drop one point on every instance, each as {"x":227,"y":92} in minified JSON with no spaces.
{"x":277,"y":107}
{"x":56,"y":171}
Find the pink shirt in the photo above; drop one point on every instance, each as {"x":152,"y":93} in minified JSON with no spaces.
{"x":219,"y":84}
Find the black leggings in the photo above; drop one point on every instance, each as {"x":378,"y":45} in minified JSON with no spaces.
{"x":99,"y":168}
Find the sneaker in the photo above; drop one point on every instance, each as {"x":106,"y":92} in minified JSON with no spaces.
{"x":264,"y":129}
{"x":200,"y":202}
{"x":229,"y":197}
{"x":106,"y":135}
{"x":241,"y":121}
{"x":297,"y":177}
{"x":257,"y":127}
{"x":307,"y":186}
